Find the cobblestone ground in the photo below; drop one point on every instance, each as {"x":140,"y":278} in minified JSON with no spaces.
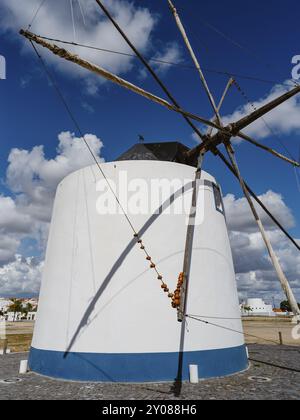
{"x":275,"y":372}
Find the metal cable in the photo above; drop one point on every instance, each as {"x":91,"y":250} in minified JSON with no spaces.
{"x":297,"y":178}
{"x":36,"y":13}
{"x":269,"y":128}
{"x":73,"y":19}
{"x":230,"y":329}
{"x":164,"y":62}
{"x":215,"y":317}
{"x":239,"y":45}
{"x":273,"y":218}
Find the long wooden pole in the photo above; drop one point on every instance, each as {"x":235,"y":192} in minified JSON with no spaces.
{"x":260,"y":112}
{"x":63,"y":53}
{"x":195,"y":60}
{"x":268,"y":149}
{"x":259,"y":202}
{"x":282,"y":278}
{"x":189,"y":242}
{"x":191,"y":227}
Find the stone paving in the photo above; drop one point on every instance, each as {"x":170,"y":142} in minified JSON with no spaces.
{"x":274,"y":375}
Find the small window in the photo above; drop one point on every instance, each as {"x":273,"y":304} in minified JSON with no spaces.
{"x":218,"y":199}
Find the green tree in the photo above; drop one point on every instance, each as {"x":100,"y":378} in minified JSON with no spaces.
{"x":28,"y":308}
{"x":16,"y":306}
{"x":286,"y":307}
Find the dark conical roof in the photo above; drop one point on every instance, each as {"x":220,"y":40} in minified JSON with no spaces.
{"x":171,"y":151}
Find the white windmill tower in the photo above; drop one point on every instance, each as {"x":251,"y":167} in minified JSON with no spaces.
{"x":112,"y":324}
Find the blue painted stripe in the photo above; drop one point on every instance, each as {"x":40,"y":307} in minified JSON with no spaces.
{"x":145,"y":367}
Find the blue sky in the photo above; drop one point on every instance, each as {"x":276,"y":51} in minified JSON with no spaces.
{"x":31,"y":114}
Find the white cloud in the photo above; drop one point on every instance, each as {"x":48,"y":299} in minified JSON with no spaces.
{"x":255,"y":274}
{"x":54,"y":20}
{"x":9,"y":245}
{"x":11,"y":220}
{"x":283,"y":119}
{"x":171,"y":54}
{"x":240,"y":217}
{"x":34,"y":179}
{"x":88,"y":108}
{"x":22,"y":276}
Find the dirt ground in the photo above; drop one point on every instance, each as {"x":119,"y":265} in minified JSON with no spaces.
{"x":267,"y":329}
{"x":257,"y":331}
{"x":19,"y":336}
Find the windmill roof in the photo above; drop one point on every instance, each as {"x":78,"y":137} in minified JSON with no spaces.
{"x":169,"y":151}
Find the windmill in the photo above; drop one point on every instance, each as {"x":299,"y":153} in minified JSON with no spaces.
{"x":142,"y":355}
{"x":217,"y":134}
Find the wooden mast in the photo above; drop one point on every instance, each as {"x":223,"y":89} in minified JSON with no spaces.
{"x":188,"y":250}
{"x":195,"y":60}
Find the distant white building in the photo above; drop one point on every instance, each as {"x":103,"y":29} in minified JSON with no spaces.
{"x":5,"y":304}
{"x":256,"y":307}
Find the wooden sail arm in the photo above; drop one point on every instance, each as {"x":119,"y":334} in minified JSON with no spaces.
{"x":196,"y":62}
{"x":268,"y":149}
{"x":246,"y":121}
{"x":65,"y":54}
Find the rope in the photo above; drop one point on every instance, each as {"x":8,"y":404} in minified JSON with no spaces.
{"x":168,"y":63}
{"x":82,"y":12}
{"x":297,"y":178}
{"x":230,"y":329}
{"x":269,"y":128}
{"x":216,"y":317}
{"x":119,"y":81}
{"x":36,"y":13}
{"x":256,"y":198}
{"x":73,"y":19}
{"x":244,"y":95}
{"x":240,"y":46}
{"x":233,"y":42}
